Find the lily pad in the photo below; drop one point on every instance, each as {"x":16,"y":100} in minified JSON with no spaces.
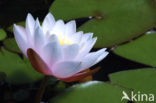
{"x":17,"y":71}
{"x":2,"y":34}
{"x":11,"y":45}
{"x":114,"y":22}
{"x":141,"y":50}
{"x":141,"y":81}
{"x":91,"y":92}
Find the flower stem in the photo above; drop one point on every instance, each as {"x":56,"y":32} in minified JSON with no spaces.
{"x":41,"y":90}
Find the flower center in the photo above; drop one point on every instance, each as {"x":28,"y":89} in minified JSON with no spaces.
{"x":64,"y":40}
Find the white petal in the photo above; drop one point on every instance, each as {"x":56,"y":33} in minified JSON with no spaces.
{"x":102,"y":56}
{"x":30,"y":22}
{"x":48,"y":23}
{"x":66,"y":69}
{"x":86,"y":37}
{"x":70,"y":27}
{"x":52,"y":38}
{"x":37,"y":24}
{"x":85,"y":49}
{"x":52,"y":52}
{"x":71,"y":51}
{"x":76,"y":37}
{"x":39,"y":38}
{"x":58,"y":28}
{"x":91,"y":59}
{"x":20,"y":36}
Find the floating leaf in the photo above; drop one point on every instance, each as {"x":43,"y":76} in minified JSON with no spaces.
{"x":2,"y":34}
{"x":141,"y":50}
{"x":18,"y":71}
{"x":142,"y":81}
{"x":11,"y":45}
{"x":115,"y":21}
{"x":91,"y":92}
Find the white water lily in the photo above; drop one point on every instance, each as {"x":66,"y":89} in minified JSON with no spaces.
{"x":57,"y":47}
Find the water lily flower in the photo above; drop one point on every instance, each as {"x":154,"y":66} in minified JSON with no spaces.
{"x":56,"y":49}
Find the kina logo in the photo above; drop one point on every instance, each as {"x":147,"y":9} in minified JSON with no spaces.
{"x":137,"y":96}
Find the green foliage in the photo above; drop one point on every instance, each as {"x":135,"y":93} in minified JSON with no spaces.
{"x":11,"y":45}
{"x":2,"y":76}
{"x":2,"y":34}
{"x":141,"y":50}
{"x":60,"y":86}
{"x":90,"y":92}
{"x":114,"y":22}
{"x":17,"y":71}
{"x":142,"y":80}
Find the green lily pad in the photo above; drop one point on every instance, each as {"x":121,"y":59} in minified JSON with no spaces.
{"x":115,"y":21}
{"x":141,"y":81}
{"x":141,"y":50}
{"x":91,"y":92}
{"x":10,"y":28}
{"x":2,"y":34}
{"x":11,"y":45}
{"x":17,"y":71}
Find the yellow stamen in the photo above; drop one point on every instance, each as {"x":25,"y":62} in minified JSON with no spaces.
{"x":63,"y":41}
